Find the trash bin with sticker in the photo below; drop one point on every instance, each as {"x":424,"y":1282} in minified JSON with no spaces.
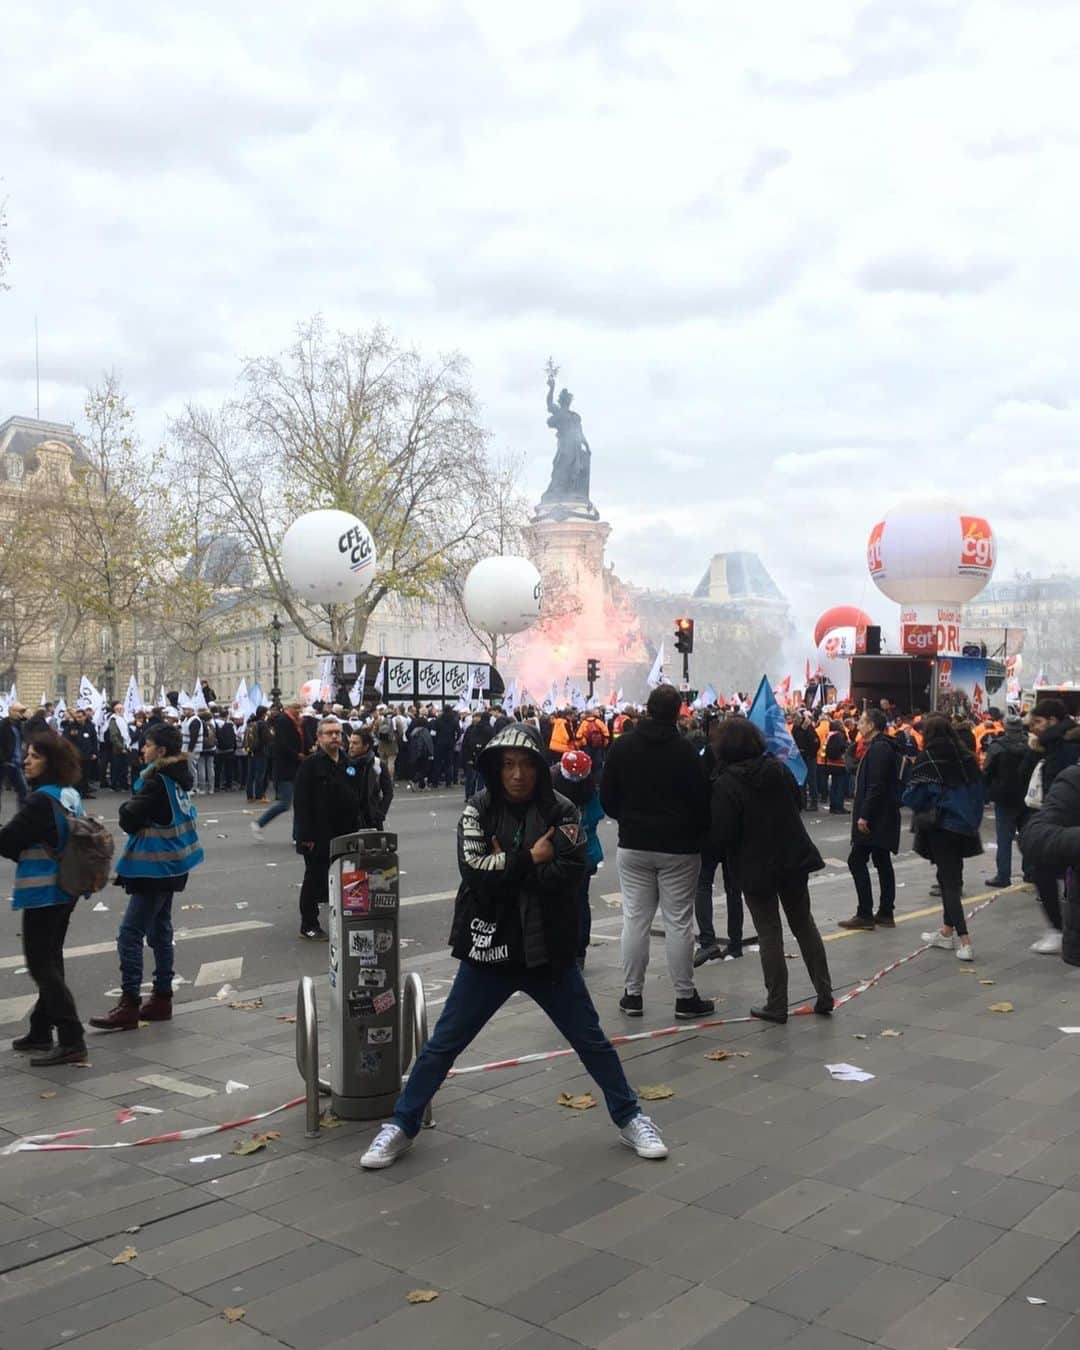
{"x":365,"y":983}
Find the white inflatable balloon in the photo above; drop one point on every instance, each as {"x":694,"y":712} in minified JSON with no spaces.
{"x":328,"y":557}
{"x":503,"y":595}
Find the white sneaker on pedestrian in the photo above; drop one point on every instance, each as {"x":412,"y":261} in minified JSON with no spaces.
{"x":644,"y":1138}
{"x":1049,"y":944}
{"x":964,"y":950}
{"x":256,"y":830}
{"x":387,"y":1147}
{"x":938,"y":939}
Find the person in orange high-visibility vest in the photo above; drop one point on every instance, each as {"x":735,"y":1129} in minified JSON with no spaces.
{"x":562,"y":736}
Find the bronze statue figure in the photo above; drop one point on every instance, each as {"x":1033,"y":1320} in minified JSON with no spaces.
{"x":571,"y":467}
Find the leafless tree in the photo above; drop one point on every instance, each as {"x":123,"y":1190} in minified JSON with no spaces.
{"x":350,"y":421}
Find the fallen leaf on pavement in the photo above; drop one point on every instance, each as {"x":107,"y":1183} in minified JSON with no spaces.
{"x":579,"y":1103}
{"x":718,"y":1054}
{"x":246,"y":1004}
{"x":967,"y":970}
{"x":244,"y":1147}
{"x":986,"y":981}
{"x":45,"y":1096}
{"x":288,"y":1018}
{"x":890,"y":1032}
{"x":234,"y":1314}
{"x":328,"y":1121}
{"x":422,"y":1295}
{"x":659,"y":1093}
{"x":122,"y":1258}
{"x":1001,"y":1007}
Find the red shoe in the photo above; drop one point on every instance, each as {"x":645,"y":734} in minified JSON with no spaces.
{"x":157,"y":1008}
{"x":124,"y":1017}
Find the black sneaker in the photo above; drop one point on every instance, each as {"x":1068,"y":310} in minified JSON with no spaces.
{"x":633,"y":1005}
{"x":686,"y":1009}
{"x":315,"y":934}
{"x":884,"y":920}
{"x":824,"y":1005}
{"x":767,"y":1015}
{"x":711,"y":952}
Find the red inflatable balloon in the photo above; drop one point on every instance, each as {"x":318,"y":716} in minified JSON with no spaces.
{"x":842,"y":616}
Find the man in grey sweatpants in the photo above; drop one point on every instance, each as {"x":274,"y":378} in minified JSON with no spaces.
{"x":654,"y":785}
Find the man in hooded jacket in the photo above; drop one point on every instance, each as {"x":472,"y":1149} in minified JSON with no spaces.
{"x":521,"y":854}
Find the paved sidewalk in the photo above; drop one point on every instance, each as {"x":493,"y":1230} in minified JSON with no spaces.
{"x":917,"y":1211}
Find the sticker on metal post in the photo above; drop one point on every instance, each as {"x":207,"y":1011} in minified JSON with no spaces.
{"x":370,"y":977}
{"x":362,"y":945}
{"x":369,"y":1061}
{"x":384,"y":901}
{"x":384,"y":940}
{"x":380,"y":1035}
{"x":355,"y":893}
{"x":361,"y":1003}
{"x":382,"y":1003}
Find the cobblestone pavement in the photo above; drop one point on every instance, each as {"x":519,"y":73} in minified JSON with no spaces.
{"x":935,"y":1206}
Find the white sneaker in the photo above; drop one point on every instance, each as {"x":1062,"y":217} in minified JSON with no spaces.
{"x":644,"y":1138}
{"x":256,"y":830}
{"x":1049,"y":944}
{"x":938,"y":939}
{"x":387,"y":1147}
{"x":964,"y":950}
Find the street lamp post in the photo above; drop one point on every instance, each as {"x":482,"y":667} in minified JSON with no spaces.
{"x":110,"y":675}
{"x":275,"y":642}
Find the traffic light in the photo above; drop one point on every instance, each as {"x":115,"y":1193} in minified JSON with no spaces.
{"x":592,"y":670}
{"x":684,"y":636}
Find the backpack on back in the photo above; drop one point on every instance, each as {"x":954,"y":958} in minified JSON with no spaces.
{"x":86,"y":859}
{"x":594,"y":737}
{"x":209,"y":736}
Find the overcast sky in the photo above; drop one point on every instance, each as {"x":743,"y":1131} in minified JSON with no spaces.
{"x":794,"y":259}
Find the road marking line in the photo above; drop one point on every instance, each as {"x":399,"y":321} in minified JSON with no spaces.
{"x":181,"y":935}
{"x":427,"y":899}
{"x":167,"y":1084}
{"x":15,"y":1009}
{"x":922,"y":913}
{"x":212,"y":972}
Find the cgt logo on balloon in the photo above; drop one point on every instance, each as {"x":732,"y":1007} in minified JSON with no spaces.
{"x":977,"y":548}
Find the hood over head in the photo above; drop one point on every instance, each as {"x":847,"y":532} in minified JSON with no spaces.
{"x":762,"y":773}
{"x":176,"y":767}
{"x":516,"y":736}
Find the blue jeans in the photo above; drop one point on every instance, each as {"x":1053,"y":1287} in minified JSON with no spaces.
{"x":476,"y":996}
{"x":282,"y":802}
{"x":1005,"y":821}
{"x":837,"y":784}
{"x":256,"y":777}
{"x":148,"y":918}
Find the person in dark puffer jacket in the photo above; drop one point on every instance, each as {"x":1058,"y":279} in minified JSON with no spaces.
{"x":521,"y":853}
{"x":1051,"y":838}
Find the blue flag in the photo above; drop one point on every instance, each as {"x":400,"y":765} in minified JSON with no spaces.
{"x":767,"y":715}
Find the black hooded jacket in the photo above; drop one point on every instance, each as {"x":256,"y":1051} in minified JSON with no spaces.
{"x":1005,"y":756}
{"x":654,"y":785}
{"x":757,"y":824}
{"x":510,"y":911}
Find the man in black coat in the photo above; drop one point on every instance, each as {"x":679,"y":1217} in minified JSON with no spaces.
{"x":287,"y":750}
{"x":326,"y":803}
{"x":446,"y":734}
{"x":875,"y":824}
{"x":1005,"y":787}
{"x":808,"y":745}
{"x":1050,"y":838}
{"x":654,"y":785}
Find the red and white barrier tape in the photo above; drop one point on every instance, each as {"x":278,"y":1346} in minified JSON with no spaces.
{"x":45,"y":1143}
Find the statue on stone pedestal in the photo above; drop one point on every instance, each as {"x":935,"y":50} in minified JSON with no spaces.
{"x":570,"y":470}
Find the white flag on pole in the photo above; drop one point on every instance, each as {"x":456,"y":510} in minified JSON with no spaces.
{"x":379,"y":682}
{"x":163,"y":698}
{"x":241,"y":703}
{"x":656,"y":675}
{"x":578,"y":700}
{"x":549,"y":704}
{"x":199,"y":697}
{"x":255,"y":696}
{"x":132,"y":700}
{"x":356,"y":691}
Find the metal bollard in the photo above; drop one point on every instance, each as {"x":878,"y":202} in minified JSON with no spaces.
{"x":307,"y":1052}
{"x":414,"y":1028}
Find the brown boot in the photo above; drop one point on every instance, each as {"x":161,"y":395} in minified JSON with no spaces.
{"x":157,"y":1008}
{"x":124,"y":1017}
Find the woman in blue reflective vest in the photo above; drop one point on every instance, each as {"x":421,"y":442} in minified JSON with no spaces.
{"x":35,"y":838}
{"x":162,"y":848}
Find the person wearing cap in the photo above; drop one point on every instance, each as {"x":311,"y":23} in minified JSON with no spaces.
{"x":574,"y":777}
{"x":521,"y":853}
{"x":12,"y":736}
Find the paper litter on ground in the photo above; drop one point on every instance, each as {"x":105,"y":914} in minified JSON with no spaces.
{"x":849,"y":1073}
{"x":99,"y":908}
{"x":233,"y":1086}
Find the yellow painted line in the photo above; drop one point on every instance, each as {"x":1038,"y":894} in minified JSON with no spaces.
{"x":925,"y":913}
